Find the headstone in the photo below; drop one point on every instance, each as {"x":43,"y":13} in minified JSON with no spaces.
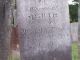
{"x":74,"y":31}
{"x":79,"y":29}
{"x":79,"y":21}
{"x":44,"y":29}
{"x":4,"y":29}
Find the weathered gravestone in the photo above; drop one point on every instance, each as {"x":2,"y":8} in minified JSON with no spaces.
{"x":79,"y":30}
{"x":4,"y":29}
{"x":44,"y":29}
{"x":74,"y":31}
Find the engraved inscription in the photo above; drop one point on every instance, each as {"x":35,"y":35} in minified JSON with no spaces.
{"x":45,"y":34}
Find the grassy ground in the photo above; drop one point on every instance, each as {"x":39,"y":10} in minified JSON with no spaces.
{"x":74,"y":51}
{"x":13,"y":58}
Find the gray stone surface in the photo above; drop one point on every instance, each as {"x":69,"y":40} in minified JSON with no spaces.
{"x":74,"y":31}
{"x":79,"y":22}
{"x":4,"y":29}
{"x":79,"y":30}
{"x":44,"y":29}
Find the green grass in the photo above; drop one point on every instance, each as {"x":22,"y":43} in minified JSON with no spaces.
{"x":13,"y":58}
{"x":74,"y":51}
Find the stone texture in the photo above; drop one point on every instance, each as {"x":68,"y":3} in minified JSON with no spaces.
{"x":74,"y":31}
{"x":44,"y":29}
{"x":4,"y":29}
{"x":79,"y":30}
